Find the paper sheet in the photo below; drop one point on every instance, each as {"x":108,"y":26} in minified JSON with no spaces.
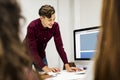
{"x":64,"y":75}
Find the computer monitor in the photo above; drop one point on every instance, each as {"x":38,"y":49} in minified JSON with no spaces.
{"x":85,"y":41}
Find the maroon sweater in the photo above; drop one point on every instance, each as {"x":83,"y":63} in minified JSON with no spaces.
{"x":37,"y":38}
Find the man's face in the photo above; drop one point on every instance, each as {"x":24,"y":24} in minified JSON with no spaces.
{"x":48,"y":22}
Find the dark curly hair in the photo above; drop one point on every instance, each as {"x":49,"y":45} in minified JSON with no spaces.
{"x":12,"y":53}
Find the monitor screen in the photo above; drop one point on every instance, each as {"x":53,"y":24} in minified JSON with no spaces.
{"x":85,"y":41}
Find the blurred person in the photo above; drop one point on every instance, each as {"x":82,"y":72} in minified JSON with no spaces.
{"x":14,"y":63}
{"x":106,"y":66}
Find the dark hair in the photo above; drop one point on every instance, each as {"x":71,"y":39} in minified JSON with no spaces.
{"x":107,"y":65}
{"x":46,"y":11}
{"x":12,"y":55}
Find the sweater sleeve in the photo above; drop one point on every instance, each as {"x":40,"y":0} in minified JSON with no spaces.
{"x":32,"y":46}
{"x":59,"y":44}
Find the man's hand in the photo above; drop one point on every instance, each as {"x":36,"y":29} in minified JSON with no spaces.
{"x":47,"y":69}
{"x":71,"y":69}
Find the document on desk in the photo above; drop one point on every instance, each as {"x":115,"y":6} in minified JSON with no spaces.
{"x":64,"y":75}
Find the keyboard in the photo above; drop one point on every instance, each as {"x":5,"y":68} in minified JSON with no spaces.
{"x":53,"y":73}
{"x":80,"y":72}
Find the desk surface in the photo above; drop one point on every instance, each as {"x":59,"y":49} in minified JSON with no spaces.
{"x":64,"y":75}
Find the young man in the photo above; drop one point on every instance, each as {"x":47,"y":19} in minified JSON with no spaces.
{"x":39,"y":32}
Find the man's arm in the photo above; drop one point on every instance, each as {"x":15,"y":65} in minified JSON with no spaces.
{"x":32,"y":46}
{"x":60,"y":49}
{"x":59,"y":44}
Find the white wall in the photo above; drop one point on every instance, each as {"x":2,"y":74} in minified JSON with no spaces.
{"x":70,"y":14}
{"x":90,"y":11}
{"x":65,"y":19}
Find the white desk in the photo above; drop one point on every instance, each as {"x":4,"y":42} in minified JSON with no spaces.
{"x":64,"y":75}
